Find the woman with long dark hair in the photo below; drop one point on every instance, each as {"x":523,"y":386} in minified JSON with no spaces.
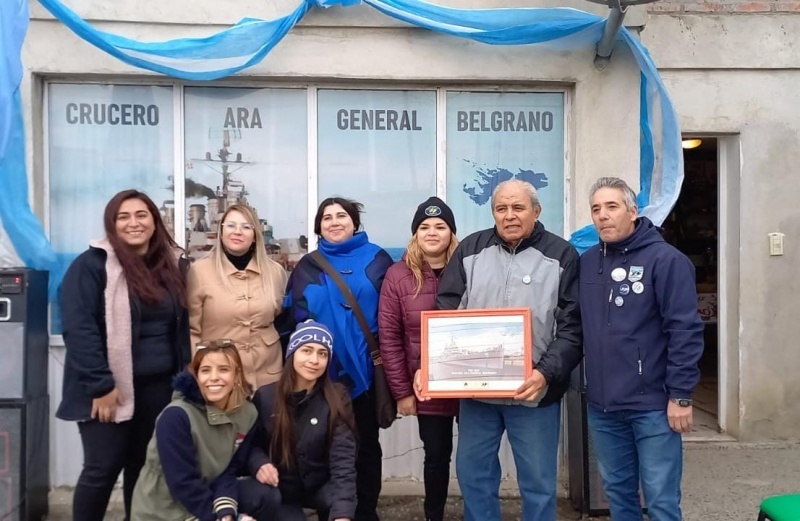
{"x":309,"y":451}
{"x":409,"y":289}
{"x":313,"y":294}
{"x":236,"y":292}
{"x":125,"y":327}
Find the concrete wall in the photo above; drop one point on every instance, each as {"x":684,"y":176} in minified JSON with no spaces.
{"x":358,"y":45}
{"x":738,"y":75}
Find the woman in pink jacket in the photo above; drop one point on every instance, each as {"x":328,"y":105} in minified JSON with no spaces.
{"x":409,"y":288}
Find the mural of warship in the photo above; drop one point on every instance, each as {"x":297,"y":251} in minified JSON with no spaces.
{"x":203,"y":219}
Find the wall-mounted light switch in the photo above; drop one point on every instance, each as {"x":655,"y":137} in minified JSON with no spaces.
{"x":776,"y":243}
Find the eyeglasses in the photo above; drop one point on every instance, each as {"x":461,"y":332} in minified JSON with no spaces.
{"x":232,"y":226}
{"x":215,"y":344}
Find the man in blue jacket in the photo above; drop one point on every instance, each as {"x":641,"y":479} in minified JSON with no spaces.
{"x":642,"y":338}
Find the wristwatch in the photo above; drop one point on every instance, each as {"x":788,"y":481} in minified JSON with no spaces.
{"x":683,"y":402}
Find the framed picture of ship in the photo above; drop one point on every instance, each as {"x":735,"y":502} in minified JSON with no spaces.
{"x":476,"y":353}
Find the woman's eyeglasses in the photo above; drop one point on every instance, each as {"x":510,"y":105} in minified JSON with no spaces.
{"x":232,"y":226}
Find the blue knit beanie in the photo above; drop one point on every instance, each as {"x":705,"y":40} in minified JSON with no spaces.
{"x":310,"y":332}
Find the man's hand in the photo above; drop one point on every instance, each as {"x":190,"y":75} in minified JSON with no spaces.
{"x":529,"y":391}
{"x":245,"y":517}
{"x":407,"y":406}
{"x":105,"y":408}
{"x":418,"y":386}
{"x":268,"y":475}
{"x":680,"y":418}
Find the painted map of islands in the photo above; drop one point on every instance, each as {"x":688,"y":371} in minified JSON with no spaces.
{"x":481,"y":191}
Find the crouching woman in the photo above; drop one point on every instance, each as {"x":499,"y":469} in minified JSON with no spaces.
{"x":309,"y":433}
{"x":201,"y":442}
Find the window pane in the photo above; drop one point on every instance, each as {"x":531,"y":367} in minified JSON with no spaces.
{"x":248,"y":146}
{"x":379,"y":147}
{"x":492,"y":137}
{"x":104,"y":139}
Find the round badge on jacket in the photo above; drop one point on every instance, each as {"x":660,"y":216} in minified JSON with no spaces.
{"x":619,"y":274}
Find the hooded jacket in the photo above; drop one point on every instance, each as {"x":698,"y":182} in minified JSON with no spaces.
{"x":400,"y":322}
{"x":312,"y":294}
{"x":194,"y":457}
{"x":541,"y":273}
{"x":642,"y":332}
{"x":321,"y":461}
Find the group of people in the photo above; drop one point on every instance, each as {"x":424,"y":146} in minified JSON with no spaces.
{"x":224,"y":388}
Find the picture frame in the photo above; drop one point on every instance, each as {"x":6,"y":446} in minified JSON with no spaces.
{"x":476,"y":353}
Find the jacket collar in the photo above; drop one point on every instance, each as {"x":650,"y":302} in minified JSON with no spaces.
{"x":527,"y":242}
{"x":334,"y":249}
{"x":231,"y":270}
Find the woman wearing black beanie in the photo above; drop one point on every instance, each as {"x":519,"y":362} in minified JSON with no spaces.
{"x":409,"y":288}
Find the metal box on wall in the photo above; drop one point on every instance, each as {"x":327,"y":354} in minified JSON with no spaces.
{"x":24,"y":403}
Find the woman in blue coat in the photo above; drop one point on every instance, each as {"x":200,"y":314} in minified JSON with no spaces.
{"x":312,"y":294}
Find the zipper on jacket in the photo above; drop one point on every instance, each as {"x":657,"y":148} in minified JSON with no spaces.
{"x":602,"y":349}
{"x":508,"y":274}
{"x":639,"y":362}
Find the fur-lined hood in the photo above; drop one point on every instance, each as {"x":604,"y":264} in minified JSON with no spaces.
{"x":186,"y":388}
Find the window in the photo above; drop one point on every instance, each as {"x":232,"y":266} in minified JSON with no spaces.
{"x":251,"y":145}
{"x":492,"y":137}
{"x":103,"y":139}
{"x":379,"y":148}
{"x":247,"y":146}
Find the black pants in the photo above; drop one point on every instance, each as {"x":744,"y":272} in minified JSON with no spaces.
{"x":264,"y":503}
{"x":436,"y":433}
{"x":111,"y":448}
{"x":369,"y":471}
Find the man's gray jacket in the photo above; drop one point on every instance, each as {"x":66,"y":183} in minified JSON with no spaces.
{"x":541,"y":273}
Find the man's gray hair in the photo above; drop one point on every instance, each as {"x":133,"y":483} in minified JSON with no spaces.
{"x":628,"y":195}
{"x":529,"y":189}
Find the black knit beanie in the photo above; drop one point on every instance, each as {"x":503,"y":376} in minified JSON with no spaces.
{"x":433,"y":207}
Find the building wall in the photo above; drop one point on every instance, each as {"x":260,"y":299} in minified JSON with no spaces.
{"x":353,"y":45}
{"x":731,"y":68}
{"x":736,"y":75}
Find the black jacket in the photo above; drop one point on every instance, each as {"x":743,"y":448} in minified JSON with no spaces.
{"x":319,"y":461}
{"x":86,"y":371}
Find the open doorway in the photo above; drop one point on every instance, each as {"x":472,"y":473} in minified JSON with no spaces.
{"x":693,"y":228}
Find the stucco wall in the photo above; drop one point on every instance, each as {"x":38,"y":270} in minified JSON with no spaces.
{"x":348,"y":45}
{"x":739,"y":75}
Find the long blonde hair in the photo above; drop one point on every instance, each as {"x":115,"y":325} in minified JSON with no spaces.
{"x":273,"y":276}
{"x":415,"y":258}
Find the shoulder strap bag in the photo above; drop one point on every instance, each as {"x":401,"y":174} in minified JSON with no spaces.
{"x":385,"y":405}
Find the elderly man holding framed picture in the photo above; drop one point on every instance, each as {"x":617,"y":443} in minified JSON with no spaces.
{"x":517,"y":264}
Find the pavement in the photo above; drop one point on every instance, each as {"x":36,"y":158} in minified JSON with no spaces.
{"x":722,"y":481}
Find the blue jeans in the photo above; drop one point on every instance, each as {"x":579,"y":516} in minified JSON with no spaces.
{"x":533,"y":435}
{"x":634,"y":447}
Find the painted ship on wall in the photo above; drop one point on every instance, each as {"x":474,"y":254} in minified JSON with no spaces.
{"x":455,"y":363}
{"x":204,"y":219}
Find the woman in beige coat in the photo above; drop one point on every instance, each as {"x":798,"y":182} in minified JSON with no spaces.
{"x":236,"y":292}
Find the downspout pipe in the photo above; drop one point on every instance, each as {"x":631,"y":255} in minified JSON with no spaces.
{"x":606,"y":44}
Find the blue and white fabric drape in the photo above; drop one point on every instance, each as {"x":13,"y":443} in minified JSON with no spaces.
{"x":250,"y":40}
